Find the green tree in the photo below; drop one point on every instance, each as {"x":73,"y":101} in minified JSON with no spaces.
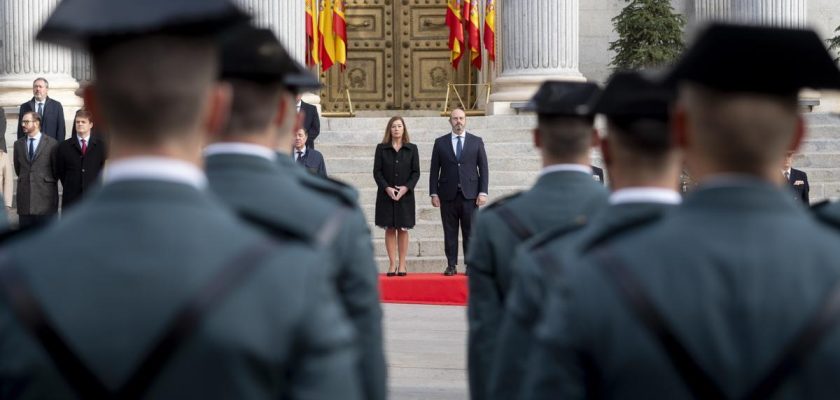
{"x":649,"y":35}
{"x":834,"y":44}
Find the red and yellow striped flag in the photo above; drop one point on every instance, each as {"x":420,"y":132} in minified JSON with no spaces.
{"x":326,"y":35}
{"x":340,"y":29}
{"x":475,"y":38}
{"x":456,"y":31}
{"x":490,"y":29}
{"x":312,"y":49}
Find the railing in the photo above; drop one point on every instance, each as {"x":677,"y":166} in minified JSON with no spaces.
{"x":345,"y":114}
{"x":468,"y":109}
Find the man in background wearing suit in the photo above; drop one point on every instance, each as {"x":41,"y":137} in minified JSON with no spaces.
{"x":50,"y":111}
{"x":79,"y":160}
{"x":37,"y":192}
{"x":311,"y":121}
{"x":458,"y":184}
{"x":797,"y":179}
{"x":308,"y":157}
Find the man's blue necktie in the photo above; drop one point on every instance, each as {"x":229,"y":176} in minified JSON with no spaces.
{"x":458,"y":148}
{"x":31,"y":148}
{"x":41,"y":109}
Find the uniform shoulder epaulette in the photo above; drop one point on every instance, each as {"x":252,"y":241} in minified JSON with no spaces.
{"x":502,"y":200}
{"x":274,"y":230}
{"x":819,"y":205}
{"x":334,"y":188}
{"x":629,"y":225}
{"x":823,"y":213}
{"x":576,"y":224}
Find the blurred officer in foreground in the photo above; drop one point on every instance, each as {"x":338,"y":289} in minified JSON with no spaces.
{"x":565,"y":192}
{"x":243,"y":172}
{"x":710,"y":302}
{"x":644,"y":165}
{"x":163,"y":293}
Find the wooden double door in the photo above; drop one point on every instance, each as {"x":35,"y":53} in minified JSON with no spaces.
{"x":397,"y":58}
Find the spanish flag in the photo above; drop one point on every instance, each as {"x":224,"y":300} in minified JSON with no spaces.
{"x":312,"y":49}
{"x":340,"y":29}
{"x":456,"y":31}
{"x":475,"y":38}
{"x":490,"y":29}
{"x":326,"y":35}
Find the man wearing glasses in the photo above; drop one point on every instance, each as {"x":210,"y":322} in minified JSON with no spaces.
{"x":37,"y":194}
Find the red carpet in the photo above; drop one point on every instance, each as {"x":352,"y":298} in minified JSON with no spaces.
{"x":424,"y":289}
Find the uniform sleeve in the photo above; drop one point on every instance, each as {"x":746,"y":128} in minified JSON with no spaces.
{"x":358,"y":285}
{"x":324,"y":367}
{"x":484,"y":307}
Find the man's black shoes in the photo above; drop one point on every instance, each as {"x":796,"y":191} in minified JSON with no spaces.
{"x":450,"y":270}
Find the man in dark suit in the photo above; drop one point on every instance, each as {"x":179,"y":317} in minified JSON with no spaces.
{"x":151,"y":285}
{"x":710,"y":302}
{"x":564,"y":192}
{"x":311,"y":121}
{"x":79,"y":160}
{"x":308,"y":157}
{"x":797,"y":179}
{"x":243,"y":172}
{"x":37,"y":192}
{"x":50,"y":111}
{"x":458,"y":184}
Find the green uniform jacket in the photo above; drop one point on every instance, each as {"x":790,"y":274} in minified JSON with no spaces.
{"x":532,"y":278}
{"x":736,"y":271}
{"x":259,"y":188}
{"x":130,"y":256}
{"x":356,"y":274}
{"x":557,"y":199}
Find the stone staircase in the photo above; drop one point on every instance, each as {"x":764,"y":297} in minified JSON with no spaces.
{"x":348,"y":145}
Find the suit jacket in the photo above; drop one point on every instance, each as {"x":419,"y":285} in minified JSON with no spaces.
{"x":720,"y":270}
{"x":356,"y":274}
{"x":37,"y":191}
{"x":79,"y":173}
{"x":557,"y":199}
{"x":448,"y":174}
{"x":798,"y":182}
{"x":313,"y":161}
{"x":525,"y":304}
{"x":311,"y":123}
{"x":278,"y":334}
{"x":52,"y":122}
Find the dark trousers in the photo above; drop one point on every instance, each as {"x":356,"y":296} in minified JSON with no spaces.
{"x":27,"y":220}
{"x":455,"y":212}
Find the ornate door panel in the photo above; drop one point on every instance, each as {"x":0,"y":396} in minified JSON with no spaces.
{"x":397,"y":57}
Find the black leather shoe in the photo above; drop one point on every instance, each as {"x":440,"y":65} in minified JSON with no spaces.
{"x":450,"y":270}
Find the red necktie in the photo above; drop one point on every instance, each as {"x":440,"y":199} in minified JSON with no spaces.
{"x":84,"y":146}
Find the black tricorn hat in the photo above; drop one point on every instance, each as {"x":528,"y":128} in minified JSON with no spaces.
{"x":98,"y":23}
{"x":255,"y":54}
{"x":635,"y":95}
{"x":753,"y":59}
{"x":562,"y":98}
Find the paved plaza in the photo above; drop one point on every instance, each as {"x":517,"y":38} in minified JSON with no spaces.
{"x":426,"y":350}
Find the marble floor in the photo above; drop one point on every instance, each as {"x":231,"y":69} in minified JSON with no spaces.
{"x":426,"y":351}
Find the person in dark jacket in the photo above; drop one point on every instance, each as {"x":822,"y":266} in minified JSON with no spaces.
{"x":797,"y":180}
{"x":396,"y":169}
{"x":307,"y":157}
{"x":49,"y":110}
{"x":311,"y":121}
{"x":79,"y":160}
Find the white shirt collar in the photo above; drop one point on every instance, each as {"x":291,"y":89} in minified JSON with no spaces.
{"x":463,"y":136}
{"x":37,"y":137}
{"x":80,"y":138}
{"x":295,"y":151}
{"x":155,"y":168}
{"x":566,"y":168}
{"x":240,"y":148}
{"x":645,"y":195}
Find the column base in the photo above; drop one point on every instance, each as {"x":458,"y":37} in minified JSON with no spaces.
{"x":510,"y":90}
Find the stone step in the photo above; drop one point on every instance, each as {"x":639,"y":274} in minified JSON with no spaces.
{"x":422,"y":123}
{"x":421,"y":264}
{"x":367,"y":195}
{"x":371,"y":138}
{"x":345,"y":165}
{"x":818,"y":160}
{"x":416,"y":247}
{"x":823,"y":131}
{"x":819,"y":145}
{"x":497,"y":178}
{"x":332,"y":150}
{"x":421,"y":230}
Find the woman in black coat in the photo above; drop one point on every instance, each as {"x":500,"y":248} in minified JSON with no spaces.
{"x":396,"y":169}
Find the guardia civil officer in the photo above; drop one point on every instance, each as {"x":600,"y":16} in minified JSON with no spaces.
{"x":243,"y":172}
{"x":710,"y":302}
{"x":644,"y":166}
{"x":564,"y":192}
{"x":162,"y":292}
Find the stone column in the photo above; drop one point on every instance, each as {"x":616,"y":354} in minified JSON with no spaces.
{"x":287,"y":19}
{"x":24,"y":59}
{"x":786,"y":13}
{"x":539,"y":42}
